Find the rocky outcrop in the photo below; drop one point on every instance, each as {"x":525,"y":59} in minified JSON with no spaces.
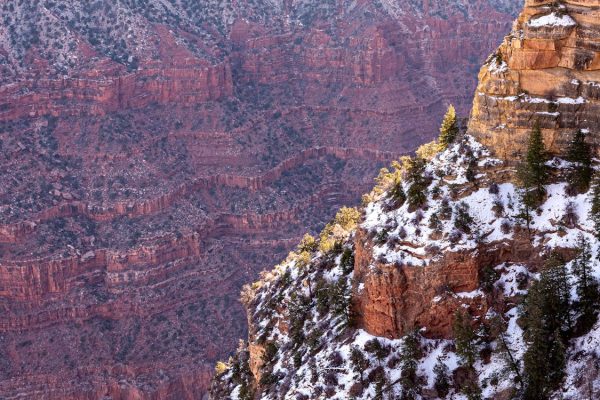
{"x":450,"y":279}
{"x":548,"y":71}
{"x":392,"y":300}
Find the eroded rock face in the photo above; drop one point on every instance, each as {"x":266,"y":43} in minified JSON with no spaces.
{"x":145,"y":180}
{"x":392,"y":300}
{"x":546,"y":70}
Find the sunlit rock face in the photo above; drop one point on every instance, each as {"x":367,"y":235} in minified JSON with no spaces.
{"x":548,"y":71}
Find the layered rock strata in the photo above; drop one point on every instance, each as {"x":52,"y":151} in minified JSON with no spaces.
{"x":153,"y":159}
{"x":546,"y":71}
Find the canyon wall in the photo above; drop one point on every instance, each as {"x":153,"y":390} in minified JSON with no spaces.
{"x":153,"y":161}
{"x":108,"y":89}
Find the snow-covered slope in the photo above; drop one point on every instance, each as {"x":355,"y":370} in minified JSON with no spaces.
{"x":306,"y":341}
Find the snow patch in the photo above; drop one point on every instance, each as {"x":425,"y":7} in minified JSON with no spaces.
{"x":553,"y":19}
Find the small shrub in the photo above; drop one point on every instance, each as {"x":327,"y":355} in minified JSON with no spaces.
{"x":494,"y":188}
{"x":436,"y":192}
{"x":418,"y":217}
{"x":455,"y":236}
{"x":381,"y":237}
{"x":445,"y":211}
{"x":375,"y":347}
{"x":270,"y":353}
{"x":330,"y":379}
{"x":297,"y":359}
{"x":397,"y":195}
{"x":356,"y":390}
{"x":221,"y":368}
{"x":506,"y":227}
{"x":498,"y":208}
{"x":433,"y":250}
{"x":570,"y":217}
{"x":435,"y":224}
{"x":463,"y":220}
{"x":336,"y":360}
{"x":402,"y":233}
{"x":268,"y":379}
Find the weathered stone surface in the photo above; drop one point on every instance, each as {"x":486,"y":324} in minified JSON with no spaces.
{"x":549,"y":73}
{"x":392,"y":300}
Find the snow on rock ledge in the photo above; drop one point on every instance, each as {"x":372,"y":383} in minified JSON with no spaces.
{"x":553,"y":19}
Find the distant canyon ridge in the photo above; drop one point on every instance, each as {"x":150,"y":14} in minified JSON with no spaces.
{"x":156,"y":155}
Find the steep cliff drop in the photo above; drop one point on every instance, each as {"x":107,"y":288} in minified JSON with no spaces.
{"x":462,"y":277}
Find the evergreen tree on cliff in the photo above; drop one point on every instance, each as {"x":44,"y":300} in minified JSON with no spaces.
{"x":449,"y":129}
{"x":411,"y":353}
{"x":533,"y":174}
{"x":415,"y":175}
{"x":442,"y":379}
{"x":580,"y":154}
{"x":465,"y":340}
{"x":586,"y":285}
{"x":547,"y":319}
{"x":594,"y":214}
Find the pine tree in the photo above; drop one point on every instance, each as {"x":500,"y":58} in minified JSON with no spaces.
{"x":241,"y":374}
{"x":397,"y":194}
{"x":411,"y":353}
{"x":547,"y":317}
{"x":375,"y":347}
{"x":297,"y":311}
{"x":554,"y":282}
{"x":512,"y":363}
{"x":533,"y":173}
{"x":463,"y":221}
{"x":464,"y":337}
{"x":534,"y":360}
{"x":340,"y":300}
{"x":465,"y":341}
{"x":556,"y":359}
{"x":347,"y":261}
{"x":595,"y":210}
{"x":381,"y":383}
{"x":449,"y":129}
{"x":435,"y":224}
{"x":586,"y":285}
{"x":580,"y":154}
{"x":528,"y":204}
{"x":417,"y":192}
{"x":442,"y":380}
{"x":359,"y":362}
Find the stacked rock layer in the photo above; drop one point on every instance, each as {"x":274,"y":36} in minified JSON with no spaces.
{"x":546,"y":71}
